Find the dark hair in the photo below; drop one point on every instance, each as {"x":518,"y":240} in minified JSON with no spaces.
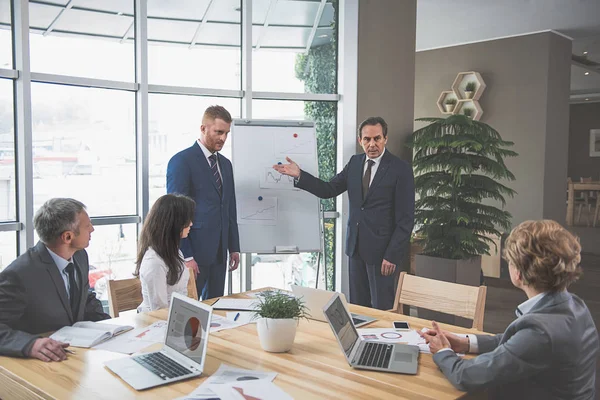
{"x":56,"y":216}
{"x":214,"y":112}
{"x":373,"y":121}
{"x":168,"y":217}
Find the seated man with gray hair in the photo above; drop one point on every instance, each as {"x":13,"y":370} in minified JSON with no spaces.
{"x":47,"y":287}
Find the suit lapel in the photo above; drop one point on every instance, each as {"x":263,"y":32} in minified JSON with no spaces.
{"x":52,"y":269}
{"x":379,"y":174}
{"x":204,"y":166}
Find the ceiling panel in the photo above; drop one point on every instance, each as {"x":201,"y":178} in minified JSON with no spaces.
{"x":580,"y":81}
{"x":93,"y":23}
{"x":285,"y":37}
{"x":116,"y":6}
{"x":5,"y":12}
{"x":184,"y":9}
{"x":173,"y":31}
{"x":220,"y":34}
{"x":226,"y":11}
{"x":327,"y":16}
{"x":41,"y":16}
{"x":294,"y":13}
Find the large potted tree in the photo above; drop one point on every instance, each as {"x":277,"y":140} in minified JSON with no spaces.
{"x":459,"y":169}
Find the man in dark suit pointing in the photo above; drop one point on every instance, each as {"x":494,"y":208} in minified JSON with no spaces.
{"x":382,"y":200}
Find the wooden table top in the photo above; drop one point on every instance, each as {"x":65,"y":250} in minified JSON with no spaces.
{"x":315,"y":368}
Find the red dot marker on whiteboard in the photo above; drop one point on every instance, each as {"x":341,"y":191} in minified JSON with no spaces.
{"x":295,"y":135}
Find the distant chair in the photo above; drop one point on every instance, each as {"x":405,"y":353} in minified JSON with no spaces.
{"x":124,"y":295}
{"x":590,"y":199}
{"x":450,"y":298}
{"x":191,"y":286}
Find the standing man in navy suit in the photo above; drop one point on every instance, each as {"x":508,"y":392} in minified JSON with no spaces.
{"x":382,"y":202}
{"x":203,"y":174}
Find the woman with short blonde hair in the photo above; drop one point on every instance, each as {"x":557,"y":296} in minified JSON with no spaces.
{"x":550,"y":350}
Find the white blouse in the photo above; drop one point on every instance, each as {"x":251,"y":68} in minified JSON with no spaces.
{"x":156,"y":293}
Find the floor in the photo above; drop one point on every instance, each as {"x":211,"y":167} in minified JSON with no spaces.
{"x":503,"y":298}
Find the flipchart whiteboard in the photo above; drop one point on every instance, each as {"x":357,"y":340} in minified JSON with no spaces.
{"x":272,"y":215}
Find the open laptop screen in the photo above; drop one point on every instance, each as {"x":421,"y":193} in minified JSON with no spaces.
{"x":342,"y":325}
{"x":188,"y":329}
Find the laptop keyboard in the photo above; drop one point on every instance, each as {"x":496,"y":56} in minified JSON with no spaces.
{"x":161,"y":365}
{"x":376,"y":355}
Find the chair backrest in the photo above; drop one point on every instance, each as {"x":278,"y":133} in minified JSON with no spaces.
{"x":450,"y":298}
{"x":586,"y":180}
{"x":124,"y":295}
{"x":192,"y":292}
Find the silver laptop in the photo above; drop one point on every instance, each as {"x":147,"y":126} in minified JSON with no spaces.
{"x":184,"y":351}
{"x":315,"y":299}
{"x":365,"y":354}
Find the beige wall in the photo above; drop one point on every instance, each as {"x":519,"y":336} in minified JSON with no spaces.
{"x":583,"y":118}
{"x":386,"y":67}
{"x":526,"y":101}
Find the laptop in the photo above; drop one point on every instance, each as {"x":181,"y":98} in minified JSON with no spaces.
{"x":315,"y":299}
{"x":183,"y":353}
{"x":365,"y":354}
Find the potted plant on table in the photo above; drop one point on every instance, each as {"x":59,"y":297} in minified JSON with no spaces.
{"x":458,"y":164}
{"x":279,"y":315}
{"x":470,"y":89}
{"x":450,"y":104}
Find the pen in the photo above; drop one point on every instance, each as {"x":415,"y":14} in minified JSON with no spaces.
{"x":236,"y":316}
{"x":69,"y":351}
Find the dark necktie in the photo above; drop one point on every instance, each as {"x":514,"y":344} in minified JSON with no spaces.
{"x":215,"y":171}
{"x":367,"y":178}
{"x":73,"y":290}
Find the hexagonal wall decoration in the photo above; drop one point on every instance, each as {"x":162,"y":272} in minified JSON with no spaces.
{"x":465,"y":99}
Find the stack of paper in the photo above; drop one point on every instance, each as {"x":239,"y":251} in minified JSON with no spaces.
{"x":137,"y":339}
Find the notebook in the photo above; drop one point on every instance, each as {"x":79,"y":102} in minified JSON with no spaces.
{"x":88,"y":333}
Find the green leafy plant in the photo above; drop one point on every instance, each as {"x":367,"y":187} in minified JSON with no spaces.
{"x":468,"y":112}
{"x":458,"y":164}
{"x":277,"y":305}
{"x":451,"y":101}
{"x":470,"y":87}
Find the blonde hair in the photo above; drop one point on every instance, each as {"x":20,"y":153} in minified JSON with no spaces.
{"x":214,"y":112}
{"x":546,"y":254}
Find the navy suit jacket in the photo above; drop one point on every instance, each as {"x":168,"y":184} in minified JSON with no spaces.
{"x":215,"y":219}
{"x":380,"y":226}
{"x":34,"y":300}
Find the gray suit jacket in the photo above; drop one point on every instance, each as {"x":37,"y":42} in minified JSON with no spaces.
{"x":33,"y":300}
{"x":548,"y":353}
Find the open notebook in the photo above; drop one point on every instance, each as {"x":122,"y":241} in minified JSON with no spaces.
{"x":87,"y":333}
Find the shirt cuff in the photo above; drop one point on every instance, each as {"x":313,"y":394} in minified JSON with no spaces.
{"x":445,"y":349}
{"x":473,"y":344}
{"x":188,"y":259}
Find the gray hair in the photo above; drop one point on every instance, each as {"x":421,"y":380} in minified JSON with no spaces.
{"x":55,"y":217}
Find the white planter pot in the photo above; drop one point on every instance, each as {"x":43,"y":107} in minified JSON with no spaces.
{"x":276,"y":335}
{"x":469,"y":95}
{"x":449,"y":107}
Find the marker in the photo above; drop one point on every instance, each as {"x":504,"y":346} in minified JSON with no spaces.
{"x":69,"y":351}
{"x":236,"y":316}
{"x":259,"y":198}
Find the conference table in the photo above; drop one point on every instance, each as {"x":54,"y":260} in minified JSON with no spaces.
{"x":315,"y":368}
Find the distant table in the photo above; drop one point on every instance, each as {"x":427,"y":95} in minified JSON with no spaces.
{"x":315,"y":368}
{"x":572,"y":187}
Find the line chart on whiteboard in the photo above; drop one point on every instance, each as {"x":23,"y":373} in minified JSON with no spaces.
{"x":271,"y":179}
{"x":264,"y":214}
{"x":295,"y":146}
{"x":257,"y":211}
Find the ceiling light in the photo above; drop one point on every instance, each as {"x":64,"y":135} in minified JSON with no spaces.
{"x":585,"y":53}
{"x":586,"y":73}
{"x":322,"y":36}
{"x":587,"y":99}
{"x":120,"y":13}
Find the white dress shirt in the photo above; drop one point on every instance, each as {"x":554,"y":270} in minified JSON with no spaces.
{"x":61,"y":263}
{"x":207,"y":154}
{"x":374,"y":167}
{"x":156,"y":293}
{"x":521,"y":310}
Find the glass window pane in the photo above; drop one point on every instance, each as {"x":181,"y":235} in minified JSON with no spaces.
{"x":5,"y":35}
{"x":82,"y":43}
{"x":174,"y":124}
{"x":192,"y":53}
{"x":7,"y":152}
{"x":280,"y":62}
{"x":8,"y":248}
{"x":84,"y":147}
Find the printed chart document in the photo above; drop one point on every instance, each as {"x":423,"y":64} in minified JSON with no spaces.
{"x":136,"y":340}
{"x":389,"y":335}
{"x":87,"y":333}
{"x":235,"y":304}
{"x":262,"y":390}
{"x":245,"y":317}
{"x":257,"y":210}
{"x":219,"y":323}
{"x":227,"y":375}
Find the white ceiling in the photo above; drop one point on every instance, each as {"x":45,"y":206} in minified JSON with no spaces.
{"x":443,"y":23}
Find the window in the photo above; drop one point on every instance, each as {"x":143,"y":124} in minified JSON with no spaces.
{"x":93,"y":42}
{"x":8,"y":248}
{"x":174,"y":125}
{"x":84,"y":147}
{"x":7,"y":152}
{"x":203,"y":50}
{"x":5,"y":35}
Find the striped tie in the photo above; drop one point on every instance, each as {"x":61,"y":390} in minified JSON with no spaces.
{"x":215,"y":171}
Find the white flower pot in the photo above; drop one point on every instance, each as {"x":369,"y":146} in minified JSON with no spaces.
{"x":449,"y":107}
{"x":469,"y":95}
{"x":276,"y":335}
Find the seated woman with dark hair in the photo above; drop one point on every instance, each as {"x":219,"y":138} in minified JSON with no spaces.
{"x":159,"y":262}
{"x":550,"y":350}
